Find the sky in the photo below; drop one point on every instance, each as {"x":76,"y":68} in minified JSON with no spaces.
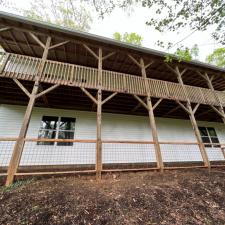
{"x":120,"y":21}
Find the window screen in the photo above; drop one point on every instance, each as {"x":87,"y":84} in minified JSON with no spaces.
{"x":57,"y":128}
{"x":209,"y":136}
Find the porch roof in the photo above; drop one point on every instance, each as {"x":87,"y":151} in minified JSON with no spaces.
{"x":17,"y":40}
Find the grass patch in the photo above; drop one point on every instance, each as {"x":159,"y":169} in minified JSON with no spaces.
{"x":17,"y":184}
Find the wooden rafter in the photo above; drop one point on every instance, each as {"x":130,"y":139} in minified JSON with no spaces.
{"x":17,"y":45}
{"x":30,"y":47}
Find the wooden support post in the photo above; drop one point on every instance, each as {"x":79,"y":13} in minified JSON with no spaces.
{"x":99,"y":103}
{"x":99,"y":119}
{"x":18,"y":148}
{"x":158,"y":154}
{"x":198,"y":136}
{"x":192,"y":117}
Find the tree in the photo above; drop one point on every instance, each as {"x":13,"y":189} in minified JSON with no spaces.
{"x":184,"y":54}
{"x":68,"y":13}
{"x":172,"y":15}
{"x":131,"y":38}
{"x":217,"y":57}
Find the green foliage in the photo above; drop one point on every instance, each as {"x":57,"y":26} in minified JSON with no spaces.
{"x":217,"y":57}
{"x":183,"y":54}
{"x":172,"y":15}
{"x":17,"y":184}
{"x":66,"y":13}
{"x":131,"y":38}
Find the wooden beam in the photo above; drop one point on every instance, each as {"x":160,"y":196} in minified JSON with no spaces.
{"x":5,"y":29}
{"x":149,"y":64}
{"x":22,"y":87}
{"x":58,"y":45}
{"x":37,"y":40}
{"x":47,"y":90}
{"x":178,"y":71}
{"x":91,"y":51}
{"x":182,"y":106}
{"x":196,"y":108}
{"x":134,"y":60}
{"x":19,"y":145}
{"x":109,"y":55}
{"x":138,"y":105}
{"x":202,"y":75}
{"x":109,"y":97}
{"x":89,"y":95}
{"x":217,"y":111}
{"x":141,"y":101}
{"x":171,"y":68}
{"x":157,"y":103}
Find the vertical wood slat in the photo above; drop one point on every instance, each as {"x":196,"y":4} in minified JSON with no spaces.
{"x":6,"y":58}
{"x":57,"y":72}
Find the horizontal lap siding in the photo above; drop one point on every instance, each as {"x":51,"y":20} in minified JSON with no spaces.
{"x":114,"y":127}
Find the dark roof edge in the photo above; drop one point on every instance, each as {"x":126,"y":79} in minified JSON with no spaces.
{"x":98,"y":38}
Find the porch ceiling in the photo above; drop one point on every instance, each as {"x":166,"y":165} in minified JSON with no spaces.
{"x":66,"y":97}
{"x":17,"y":40}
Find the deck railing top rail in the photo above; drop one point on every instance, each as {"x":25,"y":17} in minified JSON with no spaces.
{"x":26,"y":67}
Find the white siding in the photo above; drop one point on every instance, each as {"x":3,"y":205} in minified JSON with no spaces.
{"x":114,"y":127}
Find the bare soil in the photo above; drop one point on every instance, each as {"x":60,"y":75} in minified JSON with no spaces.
{"x":174,"y":197}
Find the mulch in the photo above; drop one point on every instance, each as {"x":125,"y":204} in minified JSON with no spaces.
{"x":174,"y":197}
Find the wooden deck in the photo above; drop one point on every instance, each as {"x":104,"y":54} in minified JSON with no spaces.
{"x":25,"y":68}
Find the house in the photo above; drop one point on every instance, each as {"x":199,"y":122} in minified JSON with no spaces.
{"x":76,"y":102}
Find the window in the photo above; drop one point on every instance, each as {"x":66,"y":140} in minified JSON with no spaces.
{"x":53,"y":127}
{"x":209,"y":136}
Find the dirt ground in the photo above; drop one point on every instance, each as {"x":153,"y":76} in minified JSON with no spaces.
{"x":175,"y":197}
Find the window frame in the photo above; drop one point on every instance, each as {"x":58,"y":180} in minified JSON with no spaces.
{"x":210,"y":144}
{"x":57,"y":130}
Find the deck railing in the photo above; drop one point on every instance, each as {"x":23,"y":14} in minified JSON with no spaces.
{"x":26,"y":67}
